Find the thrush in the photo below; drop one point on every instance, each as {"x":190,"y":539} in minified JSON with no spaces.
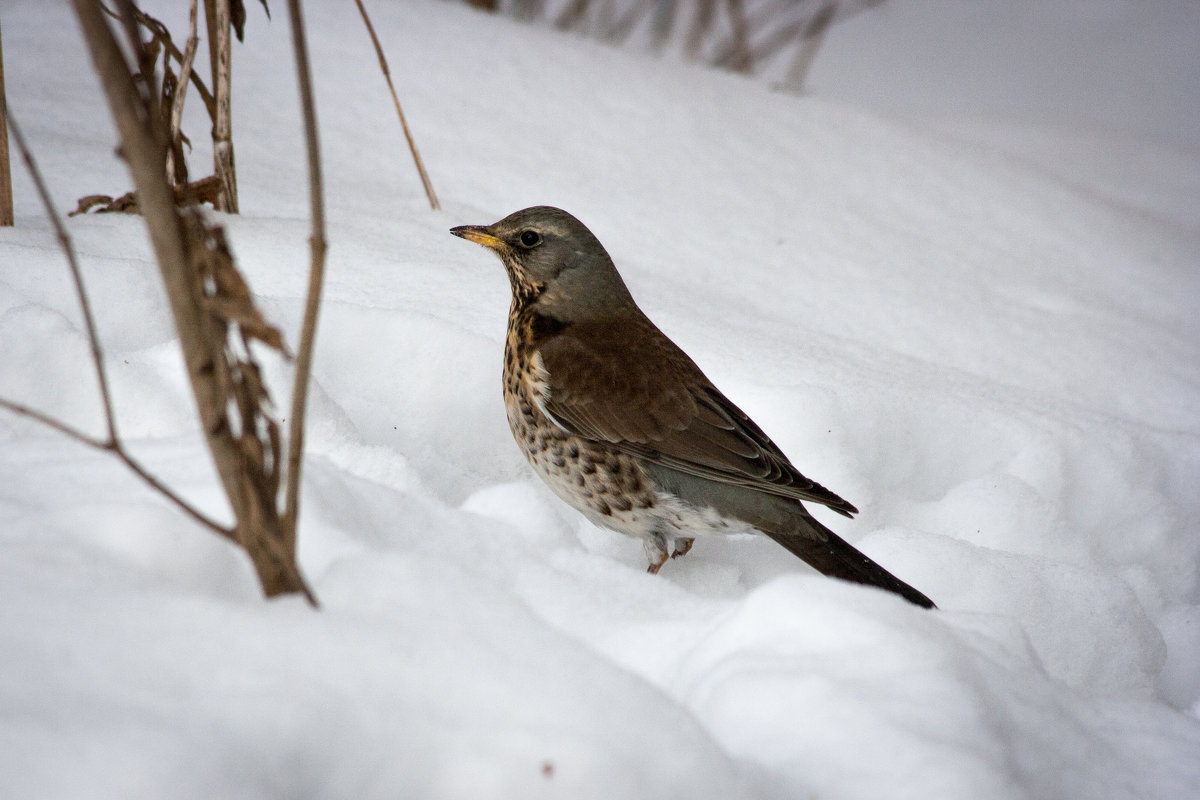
{"x":622,"y":424}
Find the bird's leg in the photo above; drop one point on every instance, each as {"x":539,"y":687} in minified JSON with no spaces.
{"x":682,"y":546}
{"x":656,"y":551}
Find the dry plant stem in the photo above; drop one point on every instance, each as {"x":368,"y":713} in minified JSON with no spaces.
{"x":412,"y":144}
{"x":220,"y":43}
{"x":185,"y":74}
{"x":316,"y":277}
{"x":118,"y":449}
{"x":144,"y":149}
{"x":89,"y":320}
{"x":172,"y":51}
{"x":6,"y":199}
{"x":702,"y":22}
{"x":810,"y":41}
{"x":113,"y":444}
{"x":740,"y":61}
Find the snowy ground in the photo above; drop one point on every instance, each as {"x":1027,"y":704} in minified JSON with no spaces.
{"x":970,"y":312}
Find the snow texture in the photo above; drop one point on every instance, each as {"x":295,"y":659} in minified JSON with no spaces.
{"x":957,"y":281}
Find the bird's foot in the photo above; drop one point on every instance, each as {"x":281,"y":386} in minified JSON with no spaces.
{"x":682,"y":546}
{"x":656,"y":552}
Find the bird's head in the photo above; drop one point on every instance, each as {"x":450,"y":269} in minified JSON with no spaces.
{"x":553,"y":260}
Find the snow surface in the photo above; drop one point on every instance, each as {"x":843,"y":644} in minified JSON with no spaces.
{"x":952,"y":313}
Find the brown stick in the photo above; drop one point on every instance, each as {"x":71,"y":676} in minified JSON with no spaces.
{"x":219,"y":48}
{"x":6,"y":198}
{"x":740,"y":59}
{"x":316,"y":278}
{"x":810,"y":42}
{"x":113,"y":443}
{"x":81,"y":294}
{"x":185,"y":74}
{"x":118,"y":449}
{"x":144,"y":147}
{"x":412,"y":144}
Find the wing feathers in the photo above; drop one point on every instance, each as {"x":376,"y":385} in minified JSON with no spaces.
{"x":627,"y":384}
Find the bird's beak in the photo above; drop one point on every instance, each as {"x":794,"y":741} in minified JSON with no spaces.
{"x":479,"y":234}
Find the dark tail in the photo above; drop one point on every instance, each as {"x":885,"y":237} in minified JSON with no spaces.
{"x":828,"y":553}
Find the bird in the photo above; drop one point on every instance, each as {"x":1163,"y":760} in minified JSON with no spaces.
{"x":622,"y":425}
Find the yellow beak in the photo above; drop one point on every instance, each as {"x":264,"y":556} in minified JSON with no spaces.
{"x":479,"y":235}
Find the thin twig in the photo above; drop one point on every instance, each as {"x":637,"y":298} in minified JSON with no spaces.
{"x":50,"y":422}
{"x":316,"y":278}
{"x":173,"y":51}
{"x":169,"y":493}
{"x":221,"y":55}
{"x":68,"y":248}
{"x":185,"y":74}
{"x":810,"y":42}
{"x":184,"y":248}
{"x":412,"y":144}
{"x":118,"y":449}
{"x":113,"y":443}
{"x":740,"y":58}
{"x":6,"y":198}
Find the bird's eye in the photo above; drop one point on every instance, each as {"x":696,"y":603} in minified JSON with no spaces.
{"x":530,"y":238}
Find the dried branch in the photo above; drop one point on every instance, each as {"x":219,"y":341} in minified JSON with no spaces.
{"x":702,"y":23}
{"x":71,"y":432}
{"x":6,"y":198}
{"x":163,"y":37}
{"x":810,"y":42}
{"x":749,"y":34}
{"x":194,"y":262}
{"x":316,"y":276}
{"x":412,"y":144}
{"x":219,"y":21}
{"x":113,"y":443}
{"x":620,"y":30}
{"x":81,"y":294}
{"x":185,"y":74}
{"x":740,"y":38}
{"x":572,"y":15}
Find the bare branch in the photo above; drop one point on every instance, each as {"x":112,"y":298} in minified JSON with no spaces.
{"x":50,"y":422}
{"x":188,"y":251}
{"x":412,"y":144}
{"x":316,"y":277}
{"x":6,"y":198}
{"x":810,"y":41}
{"x":572,"y":15}
{"x":185,"y":74}
{"x":149,"y":22}
{"x":740,"y":59}
{"x":167,"y":492}
{"x":118,"y":449}
{"x":81,"y":294}
{"x":113,"y":443}
{"x":218,"y":17}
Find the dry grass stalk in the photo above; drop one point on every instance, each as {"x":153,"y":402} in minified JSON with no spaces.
{"x":165,"y":97}
{"x":412,"y":144}
{"x":316,"y":277}
{"x":220,"y":23}
{"x":745,"y":38}
{"x":6,"y":199}
{"x":112,"y":441}
{"x":180,"y":94}
{"x":209,"y":303}
{"x":740,"y":38}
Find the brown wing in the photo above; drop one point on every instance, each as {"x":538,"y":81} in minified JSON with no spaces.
{"x":626,"y":383}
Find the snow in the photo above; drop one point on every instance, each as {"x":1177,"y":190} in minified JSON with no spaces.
{"x":957,"y":284}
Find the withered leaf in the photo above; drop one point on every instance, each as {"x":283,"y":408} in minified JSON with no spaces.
{"x":89,"y":202}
